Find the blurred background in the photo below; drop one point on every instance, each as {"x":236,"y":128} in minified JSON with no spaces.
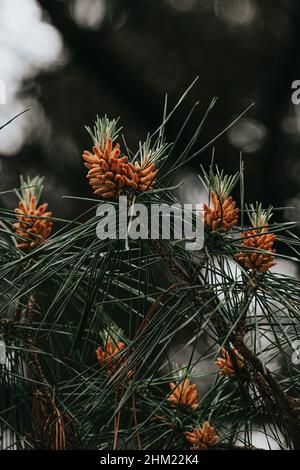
{"x":69,"y":60}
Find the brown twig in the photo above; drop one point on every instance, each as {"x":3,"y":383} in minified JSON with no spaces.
{"x":51,"y":422}
{"x":136,"y":424}
{"x":117,"y":417}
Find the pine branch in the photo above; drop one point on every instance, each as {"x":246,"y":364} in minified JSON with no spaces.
{"x":284,"y":410}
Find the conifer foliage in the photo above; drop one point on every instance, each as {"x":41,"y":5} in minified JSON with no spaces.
{"x":90,"y":336}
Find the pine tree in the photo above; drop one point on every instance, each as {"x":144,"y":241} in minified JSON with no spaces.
{"x":88,"y":329}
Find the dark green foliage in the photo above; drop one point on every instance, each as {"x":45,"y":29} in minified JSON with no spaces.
{"x":59,"y":298}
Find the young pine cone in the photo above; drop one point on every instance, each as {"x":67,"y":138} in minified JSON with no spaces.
{"x":109,"y":173}
{"x":110,"y":356}
{"x":223,"y":215}
{"x":257,"y":239}
{"x":226,"y":364}
{"x":203,"y":437}
{"x":144,"y":174}
{"x":31,"y":230}
{"x":184,"y":394}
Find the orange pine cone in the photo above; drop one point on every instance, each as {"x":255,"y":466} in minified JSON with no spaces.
{"x":184,"y":394}
{"x":203,"y":437}
{"x":224,"y":214}
{"x":226,"y":364}
{"x":109,"y":173}
{"x":145,"y":173}
{"x":30,"y":229}
{"x":257,"y":239}
{"x":110,"y":356}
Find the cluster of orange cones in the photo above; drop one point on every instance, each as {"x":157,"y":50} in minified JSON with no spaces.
{"x":256,"y":243}
{"x":183,"y":394}
{"x":110,"y":174}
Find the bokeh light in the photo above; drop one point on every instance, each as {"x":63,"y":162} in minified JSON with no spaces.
{"x":182,"y":5}
{"x":247,"y":135}
{"x":28,"y":44}
{"x":88,"y":14}
{"x":235,"y":12}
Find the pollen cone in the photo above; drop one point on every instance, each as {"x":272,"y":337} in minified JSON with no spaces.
{"x":184,"y":394}
{"x":223,"y":215}
{"x":109,"y":173}
{"x":257,"y":239}
{"x":31,"y":230}
{"x":203,"y":437}
{"x":145,"y":173}
{"x":226,"y":364}
{"x":110,"y":356}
